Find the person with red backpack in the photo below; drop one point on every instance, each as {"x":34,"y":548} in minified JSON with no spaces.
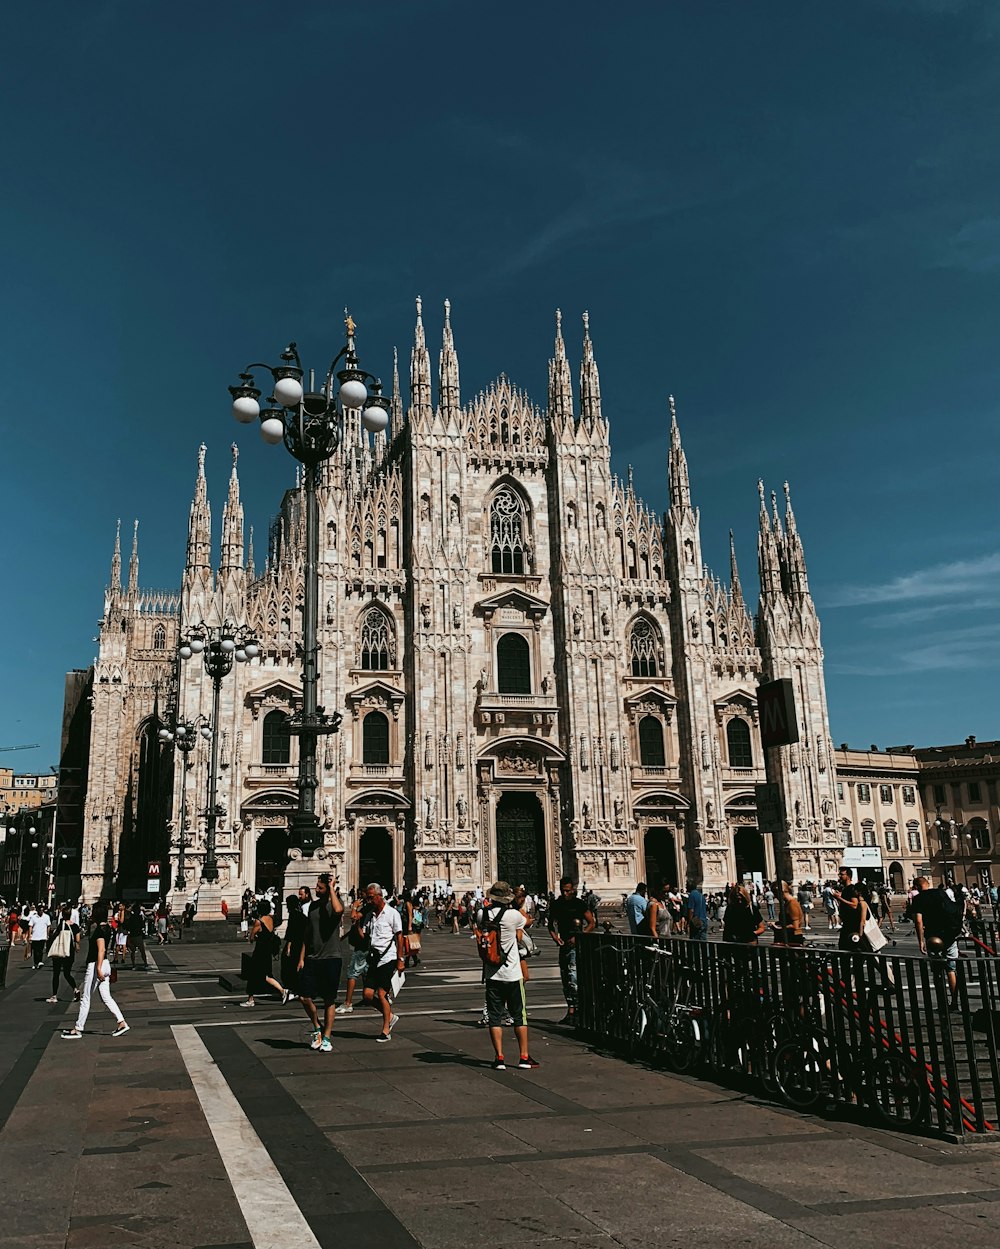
{"x":498,"y":938}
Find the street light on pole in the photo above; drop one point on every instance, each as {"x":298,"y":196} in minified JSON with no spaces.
{"x":184,"y":734}
{"x":220,"y":646}
{"x":310,"y":424}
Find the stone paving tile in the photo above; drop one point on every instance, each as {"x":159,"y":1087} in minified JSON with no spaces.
{"x":556,"y":1132}
{"x":426,"y":1143}
{"x":441,"y":1206}
{"x":831,"y":1168}
{"x":712,"y":1121}
{"x":905,"y":1229}
{"x":664,"y":1206}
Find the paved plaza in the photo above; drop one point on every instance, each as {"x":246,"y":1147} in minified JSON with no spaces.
{"x":210,"y":1125}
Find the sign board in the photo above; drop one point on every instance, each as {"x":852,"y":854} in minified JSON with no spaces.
{"x":862,"y":856}
{"x":153,"y":878}
{"x":768,"y":799}
{"x":779,"y":725}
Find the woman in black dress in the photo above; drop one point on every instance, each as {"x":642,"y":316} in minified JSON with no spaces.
{"x":743,"y":923}
{"x":262,"y":936}
{"x":292,"y":943}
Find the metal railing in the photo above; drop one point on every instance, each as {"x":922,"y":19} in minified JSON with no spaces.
{"x":814,"y":1028}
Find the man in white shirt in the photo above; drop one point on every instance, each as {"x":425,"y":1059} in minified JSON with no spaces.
{"x":387,"y":952}
{"x":38,"y":928}
{"x":505,"y":981}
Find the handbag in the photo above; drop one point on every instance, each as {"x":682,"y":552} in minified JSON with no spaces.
{"x":374,"y":958}
{"x":876,"y":937}
{"x":62,"y":943}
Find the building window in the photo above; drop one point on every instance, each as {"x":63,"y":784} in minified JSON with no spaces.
{"x":651,"y":752}
{"x":513,"y":664}
{"x":868,"y":832}
{"x":891,"y":837}
{"x":885,"y":793}
{"x":848,"y":828}
{"x":979,"y":835}
{"x":975,"y":794}
{"x":738,"y":738}
{"x":913,"y":836}
{"x":277,"y":739}
{"x":643,"y":648}
{"x":864,"y":793}
{"x":840,"y":791}
{"x":159,"y":638}
{"x":375,"y":739}
{"x":508,"y":530}
{"x":378,"y":641}
{"x":940,"y":798}
{"x":909,"y":795}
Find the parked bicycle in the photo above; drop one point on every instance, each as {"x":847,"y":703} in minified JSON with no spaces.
{"x":667,"y":1022}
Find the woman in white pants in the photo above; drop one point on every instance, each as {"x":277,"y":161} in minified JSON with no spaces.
{"x":100,"y":940}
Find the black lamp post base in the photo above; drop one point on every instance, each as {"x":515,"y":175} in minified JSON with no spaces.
{"x":304,"y":833}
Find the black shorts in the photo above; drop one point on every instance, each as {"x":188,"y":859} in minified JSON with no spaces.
{"x":320,"y":977}
{"x":381,"y":977}
{"x":509,"y":994}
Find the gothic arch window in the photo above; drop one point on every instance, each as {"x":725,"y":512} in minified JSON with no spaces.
{"x":375,"y":739}
{"x":159,"y":638}
{"x":378,"y":641}
{"x":277,"y":740}
{"x":513,"y":664}
{"x":738,"y":740}
{"x":651,"y":752}
{"x":644,"y":648}
{"x":508,"y":533}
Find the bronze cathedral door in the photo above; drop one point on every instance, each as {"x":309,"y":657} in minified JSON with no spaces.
{"x":521,"y":842}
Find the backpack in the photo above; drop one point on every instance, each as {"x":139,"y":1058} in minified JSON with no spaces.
{"x":952,"y":917}
{"x":418,"y":919}
{"x":488,"y":939}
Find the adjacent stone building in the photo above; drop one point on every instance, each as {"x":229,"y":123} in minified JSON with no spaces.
{"x":536,"y":672}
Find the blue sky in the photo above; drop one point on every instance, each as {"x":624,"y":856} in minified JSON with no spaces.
{"x":787,"y":214}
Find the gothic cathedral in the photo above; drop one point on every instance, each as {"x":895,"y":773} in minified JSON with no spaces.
{"x":536,"y":673}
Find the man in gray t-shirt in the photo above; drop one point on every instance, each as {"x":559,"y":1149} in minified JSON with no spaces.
{"x":320,"y":960}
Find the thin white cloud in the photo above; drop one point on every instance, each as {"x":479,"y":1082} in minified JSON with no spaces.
{"x":959,"y":649}
{"x":959,"y":577}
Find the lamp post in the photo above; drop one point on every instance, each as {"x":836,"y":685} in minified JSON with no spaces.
{"x":32,"y":831}
{"x":183,"y":734}
{"x":310,"y":425}
{"x":219,"y":646}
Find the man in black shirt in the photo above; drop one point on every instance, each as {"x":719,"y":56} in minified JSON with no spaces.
{"x":852,"y":910}
{"x":568,"y":917}
{"x":938,"y":919}
{"x":319,"y":960}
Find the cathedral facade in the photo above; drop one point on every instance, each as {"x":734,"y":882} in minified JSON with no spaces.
{"x":537,"y":674}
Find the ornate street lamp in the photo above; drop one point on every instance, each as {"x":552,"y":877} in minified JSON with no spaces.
{"x":310,"y":425}
{"x":220,"y":646}
{"x":183,"y":735}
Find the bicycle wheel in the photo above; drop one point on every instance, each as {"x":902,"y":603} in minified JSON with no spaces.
{"x":637,"y":1039}
{"x":769,"y":1035}
{"x":800,"y":1073}
{"x":897,"y":1091}
{"x":682,"y":1042}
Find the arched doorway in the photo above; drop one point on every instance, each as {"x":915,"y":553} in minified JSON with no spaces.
{"x":660,"y":851}
{"x":375,"y":858}
{"x":896,"y":877}
{"x":272,"y":858}
{"x":521,"y":842}
{"x":750,"y":857}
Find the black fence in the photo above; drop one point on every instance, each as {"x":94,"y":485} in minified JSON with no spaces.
{"x":813,"y":1028}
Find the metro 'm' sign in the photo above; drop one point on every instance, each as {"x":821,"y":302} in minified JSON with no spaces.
{"x":779,"y":725}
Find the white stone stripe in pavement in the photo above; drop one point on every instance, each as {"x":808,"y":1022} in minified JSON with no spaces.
{"x":272,"y":1217}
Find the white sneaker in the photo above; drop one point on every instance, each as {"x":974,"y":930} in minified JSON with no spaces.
{"x":346,"y":1010}
{"x":52,"y":999}
{"x":393,"y":1020}
{"x":317,"y":1040}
